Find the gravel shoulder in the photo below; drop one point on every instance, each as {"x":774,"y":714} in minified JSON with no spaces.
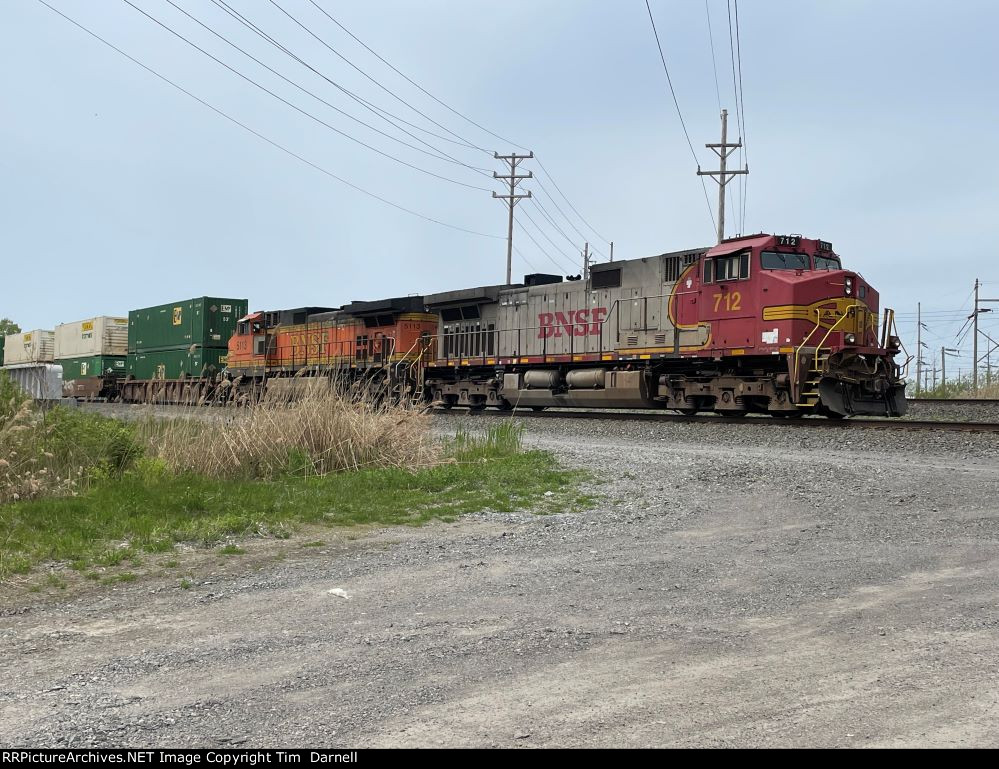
{"x":746,"y":585}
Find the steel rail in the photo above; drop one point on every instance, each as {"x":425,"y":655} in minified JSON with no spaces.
{"x":810,"y":422}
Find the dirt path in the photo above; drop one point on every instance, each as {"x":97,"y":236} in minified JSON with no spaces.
{"x":750,"y":592}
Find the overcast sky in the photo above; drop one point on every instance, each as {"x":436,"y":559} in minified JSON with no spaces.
{"x":869,"y":124}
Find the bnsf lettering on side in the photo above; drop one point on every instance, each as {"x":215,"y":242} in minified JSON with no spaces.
{"x":573,"y":323}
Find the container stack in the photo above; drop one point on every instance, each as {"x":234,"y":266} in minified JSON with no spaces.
{"x":92,"y":348}
{"x":28,"y":360}
{"x":182,"y":340}
{"x":29,"y":347}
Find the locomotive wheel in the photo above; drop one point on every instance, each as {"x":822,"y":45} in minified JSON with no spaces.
{"x":504,"y":405}
{"x":538,"y":408}
{"x":688,"y":412}
{"x":834,"y":415}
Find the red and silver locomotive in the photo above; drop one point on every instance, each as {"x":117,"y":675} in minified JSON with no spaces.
{"x":764,"y":323}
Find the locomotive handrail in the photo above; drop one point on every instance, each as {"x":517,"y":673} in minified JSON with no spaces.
{"x":797,"y":352}
{"x":818,"y":324}
{"x":849,"y":311}
{"x":445,"y":353}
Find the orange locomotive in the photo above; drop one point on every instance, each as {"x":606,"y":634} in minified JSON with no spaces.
{"x":383,"y":343}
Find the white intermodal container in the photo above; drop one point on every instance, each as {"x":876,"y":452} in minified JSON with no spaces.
{"x":41,"y":381}
{"x":36,"y":346}
{"x":104,"y":335}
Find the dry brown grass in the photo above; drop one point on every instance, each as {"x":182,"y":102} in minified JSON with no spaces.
{"x":25,"y":470}
{"x":57,"y":452}
{"x":990,"y":392}
{"x":319,"y":433}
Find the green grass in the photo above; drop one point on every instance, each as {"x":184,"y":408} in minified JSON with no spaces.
{"x":231,"y":549}
{"x":122,"y":517}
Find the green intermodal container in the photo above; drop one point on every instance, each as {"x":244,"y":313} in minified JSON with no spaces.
{"x":92,"y":365}
{"x":188,"y":362}
{"x":206,"y":322}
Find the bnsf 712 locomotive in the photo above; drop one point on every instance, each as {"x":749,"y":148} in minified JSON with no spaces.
{"x":763,"y":323}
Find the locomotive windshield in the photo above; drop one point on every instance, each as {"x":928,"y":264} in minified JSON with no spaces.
{"x":772,"y":260}
{"x":827,"y":263}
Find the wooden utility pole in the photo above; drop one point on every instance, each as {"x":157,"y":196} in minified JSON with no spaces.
{"x":974,"y":345}
{"x":919,"y":345}
{"x":586,"y":260}
{"x":723,"y":176}
{"x":944,"y":352}
{"x":974,"y":319}
{"x":512,"y":198}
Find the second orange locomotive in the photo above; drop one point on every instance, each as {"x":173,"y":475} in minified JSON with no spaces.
{"x":379,"y":342}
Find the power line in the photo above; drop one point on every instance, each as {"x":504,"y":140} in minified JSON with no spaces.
{"x":437,"y":154}
{"x":744,"y":152}
{"x":413,"y":82}
{"x":676,"y":103}
{"x":544,"y":234}
{"x":714,"y":59}
{"x":551,"y":221}
{"x":525,"y":259}
{"x":259,"y":135}
{"x":299,"y":109}
{"x":380,"y":112}
{"x":432,"y":96}
{"x":373,"y":80}
{"x":568,"y":202}
{"x":558,"y":208}
{"x":551,"y":259}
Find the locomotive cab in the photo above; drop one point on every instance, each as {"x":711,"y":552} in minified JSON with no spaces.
{"x":790,"y":296}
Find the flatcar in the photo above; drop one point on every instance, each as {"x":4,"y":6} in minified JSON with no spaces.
{"x":764,"y":323}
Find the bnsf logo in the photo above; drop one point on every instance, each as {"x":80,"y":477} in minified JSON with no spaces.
{"x":575,"y":323}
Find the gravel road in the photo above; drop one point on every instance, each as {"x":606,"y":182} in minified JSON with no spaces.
{"x":747,"y":585}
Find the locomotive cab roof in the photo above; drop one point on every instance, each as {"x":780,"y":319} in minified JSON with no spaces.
{"x":384,"y":306}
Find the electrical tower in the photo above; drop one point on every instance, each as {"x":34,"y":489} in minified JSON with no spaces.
{"x":512,"y":179}
{"x":976,"y":359}
{"x":723,"y":176}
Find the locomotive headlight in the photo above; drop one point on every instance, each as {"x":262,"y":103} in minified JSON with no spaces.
{"x":849,"y":286}
{"x":850,"y":339}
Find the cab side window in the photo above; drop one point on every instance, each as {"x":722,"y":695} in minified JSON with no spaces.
{"x":734,"y":267}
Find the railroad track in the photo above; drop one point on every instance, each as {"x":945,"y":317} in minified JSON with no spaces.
{"x":807,"y":422}
{"x":957,"y":401}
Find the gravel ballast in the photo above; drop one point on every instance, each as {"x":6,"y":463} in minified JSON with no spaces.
{"x":734,"y":585}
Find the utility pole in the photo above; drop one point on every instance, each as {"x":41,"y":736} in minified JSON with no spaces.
{"x":974,"y":319}
{"x":919,"y":345}
{"x":612,"y":251}
{"x":586,"y":260}
{"x":944,"y":352}
{"x":974,"y":345}
{"x":723,"y":176}
{"x":512,"y":179}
